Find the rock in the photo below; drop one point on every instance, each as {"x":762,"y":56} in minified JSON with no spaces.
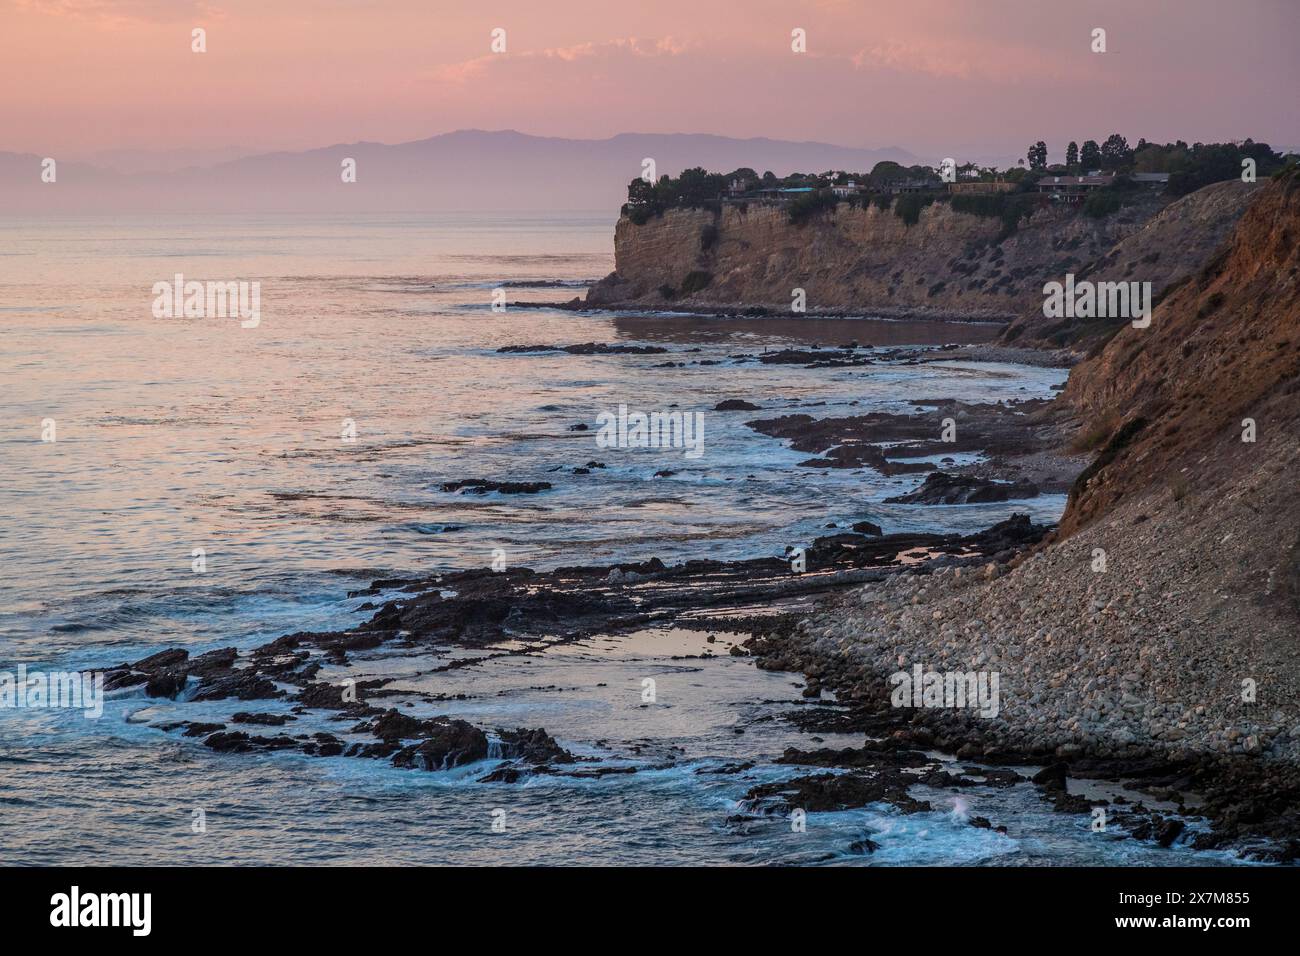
{"x":1052,"y":777}
{"x":481,"y":486}
{"x":940,"y":488}
{"x":451,"y":743}
{"x":533,"y":746}
{"x":735,"y":405}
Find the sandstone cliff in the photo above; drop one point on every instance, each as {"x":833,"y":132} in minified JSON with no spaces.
{"x":868,"y":259}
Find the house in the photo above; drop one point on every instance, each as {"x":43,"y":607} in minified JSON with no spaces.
{"x":1151,"y":180}
{"x":850,"y":188}
{"x":1073,"y":189}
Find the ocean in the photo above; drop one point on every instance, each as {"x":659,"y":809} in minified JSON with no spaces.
{"x":214,"y":485}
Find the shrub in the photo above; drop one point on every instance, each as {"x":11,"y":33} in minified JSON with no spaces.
{"x":695,"y":281}
{"x":1101,"y":203}
{"x":909,"y":205}
{"x":811,"y":204}
{"x":708,"y":237}
{"x":1010,"y":208}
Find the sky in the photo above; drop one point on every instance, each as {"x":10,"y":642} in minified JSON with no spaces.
{"x":937,"y":77}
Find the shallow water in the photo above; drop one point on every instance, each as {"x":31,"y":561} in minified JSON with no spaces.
{"x":183,"y":434}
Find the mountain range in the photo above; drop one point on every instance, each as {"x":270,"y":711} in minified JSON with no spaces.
{"x":463,"y":170}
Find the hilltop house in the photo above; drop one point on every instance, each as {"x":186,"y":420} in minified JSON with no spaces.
{"x":1072,"y":189}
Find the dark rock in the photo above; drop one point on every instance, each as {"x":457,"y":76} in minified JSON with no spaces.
{"x":534,"y":746}
{"x":940,"y":488}
{"x":481,"y":486}
{"x":269,"y":720}
{"x":451,"y":743}
{"x":1052,"y":777}
{"x":197,"y":729}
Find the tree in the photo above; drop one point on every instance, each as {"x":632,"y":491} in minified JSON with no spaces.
{"x":887,"y":171}
{"x":1090,"y":158}
{"x":1072,"y":155}
{"x":1115,"y":152}
{"x":640,"y":192}
{"x":1038,"y":155}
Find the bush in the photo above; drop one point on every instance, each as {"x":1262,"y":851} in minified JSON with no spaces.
{"x":812,"y":204}
{"x":1101,"y":203}
{"x":882,"y":201}
{"x":695,"y":281}
{"x":708,"y":237}
{"x":1010,"y":208}
{"x":909,"y":205}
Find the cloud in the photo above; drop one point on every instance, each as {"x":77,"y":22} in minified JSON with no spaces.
{"x":600,"y":51}
{"x":123,"y":12}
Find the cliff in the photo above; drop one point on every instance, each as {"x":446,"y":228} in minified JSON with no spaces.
{"x":1222,"y":347}
{"x":868,"y":259}
{"x":1164,"y":617}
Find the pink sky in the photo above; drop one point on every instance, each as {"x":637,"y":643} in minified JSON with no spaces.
{"x":934,"y":76}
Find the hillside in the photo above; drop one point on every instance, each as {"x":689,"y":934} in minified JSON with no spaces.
{"x":1172,"y":591}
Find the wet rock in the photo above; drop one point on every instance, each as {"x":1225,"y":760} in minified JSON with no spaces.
{"x":1052,"y":777}
{"x":735,"y":405}
{"x":586,"y":348}
{"x":533,"y":746}
{"x":163,"y":659}
{"x":481,"y":486}
{"x":239,"y":742}
{"x":268,"y":720}
{"x":196,"y":729}
{"x":450,"y":743}
{"x":827,"y":792}
{"x":940,"y":488}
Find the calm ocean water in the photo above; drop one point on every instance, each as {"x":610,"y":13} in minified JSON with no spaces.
{"x":183,"y":434}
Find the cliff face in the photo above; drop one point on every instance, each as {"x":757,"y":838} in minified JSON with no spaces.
{"x":1166,"y":614}
{"x":869,"y":259}
{"x":865,"y":258}
{"x":1168,"y":247}
{"x":1224,"y":346}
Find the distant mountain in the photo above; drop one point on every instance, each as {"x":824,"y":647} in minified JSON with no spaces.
{"x":464,"y":170}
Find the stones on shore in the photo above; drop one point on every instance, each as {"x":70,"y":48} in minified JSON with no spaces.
{"x":735,"y":405}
